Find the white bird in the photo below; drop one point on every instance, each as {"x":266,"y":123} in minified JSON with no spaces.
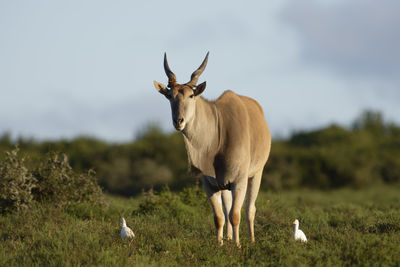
{"x":298,"y":234}
{"x":126,"y":232}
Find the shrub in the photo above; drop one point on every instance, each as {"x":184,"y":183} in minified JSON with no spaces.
{"x":52,"y":181}
{"x":59,"y":184}
{"x":165,"y":201}
{"x":16,"y":183}
{"x":148,"y":173}
{"x":154,"y":201}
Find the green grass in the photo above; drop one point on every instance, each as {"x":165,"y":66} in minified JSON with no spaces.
{"x":344,"y":227}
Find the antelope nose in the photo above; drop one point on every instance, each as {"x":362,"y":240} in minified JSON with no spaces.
{"x":178,"y":121}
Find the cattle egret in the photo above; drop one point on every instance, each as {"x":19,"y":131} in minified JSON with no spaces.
{"x":126,"y":232}
{"x":298,"y":234}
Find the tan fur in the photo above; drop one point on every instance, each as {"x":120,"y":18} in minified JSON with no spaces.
{"x":228,"y":141}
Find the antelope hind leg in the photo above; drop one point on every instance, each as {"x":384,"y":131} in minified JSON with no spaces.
{"x":253,"y":187}
{"x":238,"y":194}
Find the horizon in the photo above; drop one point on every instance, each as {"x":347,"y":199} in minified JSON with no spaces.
{"x":149,"y":126}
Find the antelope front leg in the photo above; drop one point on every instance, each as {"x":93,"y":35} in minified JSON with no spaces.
{"x":214,"y":195}
{"x":227,"y":201}
{"x":238,"y":194}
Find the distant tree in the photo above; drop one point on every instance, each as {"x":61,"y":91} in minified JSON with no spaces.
{"x":371,"y":121}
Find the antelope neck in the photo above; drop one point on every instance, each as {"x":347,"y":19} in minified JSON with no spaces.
{"x":204,"y":128}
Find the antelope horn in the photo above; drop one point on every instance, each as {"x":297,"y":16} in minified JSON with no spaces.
{"x":170,"y":74}
{"x":196,"y":74}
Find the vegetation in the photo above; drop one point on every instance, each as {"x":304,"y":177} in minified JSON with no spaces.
{"x":53,"y":212}
{"x":333,"y":157}
{"x":52,"y":181}
{"x":16,"y":183}
{"x":154,"y":159}
{"x":368,"y":153}
{"x":344,"y":227}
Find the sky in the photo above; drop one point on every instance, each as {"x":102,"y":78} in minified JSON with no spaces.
{"x":71,"y":68}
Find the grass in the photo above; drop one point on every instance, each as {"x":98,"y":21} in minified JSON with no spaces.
{"x":344,"y":227}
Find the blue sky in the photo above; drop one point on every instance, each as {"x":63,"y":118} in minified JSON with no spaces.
{"x":87,"y":67}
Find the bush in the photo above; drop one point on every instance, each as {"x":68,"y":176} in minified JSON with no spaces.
{"x":166,"y":201}
{"x":148,"y":173}
{"x":16,"y":183}
{"x":59,"y":184}
{"x":53,"y":181}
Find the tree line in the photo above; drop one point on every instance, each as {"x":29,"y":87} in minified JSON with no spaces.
{"x":363,"y":154}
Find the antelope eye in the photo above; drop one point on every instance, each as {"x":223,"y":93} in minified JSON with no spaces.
{"x":191,"y":96}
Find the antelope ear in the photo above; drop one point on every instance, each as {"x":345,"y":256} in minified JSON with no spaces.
{"x":161,"y":88}
{"x":200,"y":88}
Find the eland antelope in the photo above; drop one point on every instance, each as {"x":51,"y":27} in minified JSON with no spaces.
{"x":227,"y":140}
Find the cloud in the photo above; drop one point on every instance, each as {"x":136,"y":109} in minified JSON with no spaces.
{"x":356,"y":39}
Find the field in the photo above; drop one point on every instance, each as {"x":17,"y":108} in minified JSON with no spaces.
{"x":344,"y":227}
